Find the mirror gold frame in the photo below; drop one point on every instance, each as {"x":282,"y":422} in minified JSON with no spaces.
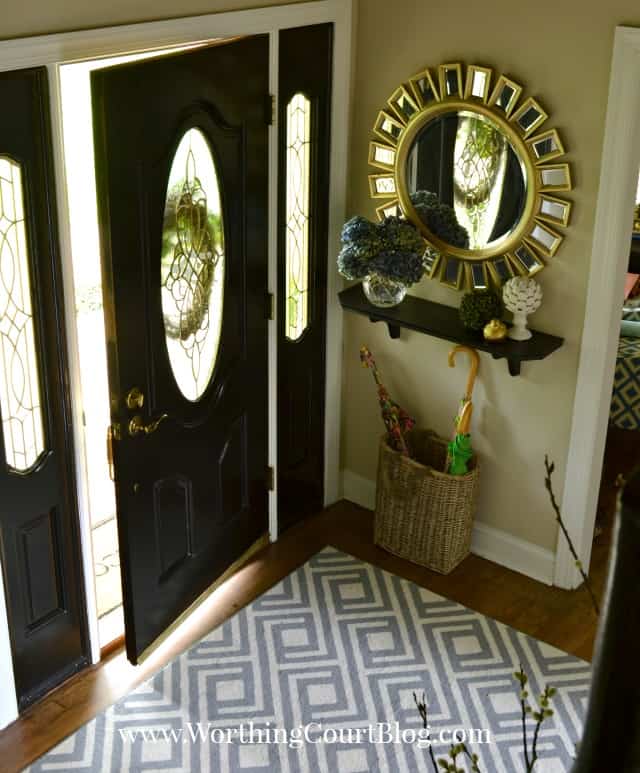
{"x":534,"y":240}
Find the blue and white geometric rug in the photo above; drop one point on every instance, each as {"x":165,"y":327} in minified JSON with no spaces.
{"x":318,"y":674}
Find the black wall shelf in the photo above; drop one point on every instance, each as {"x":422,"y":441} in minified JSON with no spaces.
{"x":440,"y":321}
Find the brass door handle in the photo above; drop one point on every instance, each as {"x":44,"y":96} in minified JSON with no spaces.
{"x":113,"y":433}
{"x":138,"y":427}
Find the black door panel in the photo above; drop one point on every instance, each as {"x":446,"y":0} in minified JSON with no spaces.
{"x":191,"y":495}
{"x":41,"y":558}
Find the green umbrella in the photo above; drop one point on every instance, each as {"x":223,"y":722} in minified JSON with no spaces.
{"x":459,"y":450}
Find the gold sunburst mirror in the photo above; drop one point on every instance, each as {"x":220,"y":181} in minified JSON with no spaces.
{"x":465,"y":157}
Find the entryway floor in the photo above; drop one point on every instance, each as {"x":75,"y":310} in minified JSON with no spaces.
{"x":562,"y":618}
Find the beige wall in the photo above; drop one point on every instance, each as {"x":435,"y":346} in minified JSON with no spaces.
{"x":39,"y":17}
{"x":561,"y":52}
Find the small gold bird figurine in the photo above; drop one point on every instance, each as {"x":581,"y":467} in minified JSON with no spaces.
{"x":495,"y":330}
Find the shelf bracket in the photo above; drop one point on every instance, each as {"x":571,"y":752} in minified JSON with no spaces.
{"x":394,"y":330}
{"x":514,"y":367}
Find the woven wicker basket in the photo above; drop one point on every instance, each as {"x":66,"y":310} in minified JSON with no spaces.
{"x":422,"y":513}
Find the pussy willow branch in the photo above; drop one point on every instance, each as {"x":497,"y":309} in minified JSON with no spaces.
{"x":473,"y":759}
{"x":534,"y":746}
{"x":422,"y":709}
{"x":525,"y":743}
{"x":540,"y":715}
{"x":550,"y":467}
{"x":454,"y":752}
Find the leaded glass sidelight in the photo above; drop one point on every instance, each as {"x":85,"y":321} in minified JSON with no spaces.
{"x":192,"y":265}
{"x":20,"y":400}
{"x":298,"y":161}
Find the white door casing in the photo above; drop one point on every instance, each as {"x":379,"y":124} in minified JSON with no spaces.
{"x":609,"y":260}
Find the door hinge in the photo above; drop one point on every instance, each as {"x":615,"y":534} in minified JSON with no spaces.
{"x":270,"y":109}
{"x":270,"y":307}
{"x":271,"y":479}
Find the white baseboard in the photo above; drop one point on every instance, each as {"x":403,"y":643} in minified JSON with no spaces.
{"x":360,"y":490}
{"x":514,"y":553}
{"x":487,"y":542}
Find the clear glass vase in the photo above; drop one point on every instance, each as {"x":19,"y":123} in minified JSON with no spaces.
{"x":382,"y":291}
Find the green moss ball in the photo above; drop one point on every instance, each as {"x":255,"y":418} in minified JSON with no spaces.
{"x":479,"y":307}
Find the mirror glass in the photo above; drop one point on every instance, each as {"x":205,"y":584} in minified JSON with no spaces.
{"x":466,"y":181}
{"x":479,"y":84}
{"x":504,"y":98}
{"x":555,"y":177}
{"x":554,"y":210}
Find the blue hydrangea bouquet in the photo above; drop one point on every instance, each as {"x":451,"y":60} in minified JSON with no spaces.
{"x":391,"y":248}
{"x":387,"y":256}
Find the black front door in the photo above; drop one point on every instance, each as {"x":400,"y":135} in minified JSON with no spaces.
{"x":40,"y":553}
{"x":182,"y":169}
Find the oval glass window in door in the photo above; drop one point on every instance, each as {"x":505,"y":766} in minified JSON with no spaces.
{"x":192,"y":265}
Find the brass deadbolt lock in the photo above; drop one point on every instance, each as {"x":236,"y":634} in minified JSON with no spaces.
{"x":135,"y":399}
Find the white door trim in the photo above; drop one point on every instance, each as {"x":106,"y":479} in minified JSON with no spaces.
{"x":53,"y":50}
{"x":109,"y":41}
{"x":8,"y":696}
{"x":73,"y":352}
{"x":272,"y":279}
{"x":609,"y":259}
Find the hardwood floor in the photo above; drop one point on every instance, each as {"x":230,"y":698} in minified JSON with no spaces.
{"x":562,"y":618}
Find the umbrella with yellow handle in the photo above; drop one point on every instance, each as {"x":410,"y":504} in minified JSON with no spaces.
{"x":459,"y":449}
{"x":475,"y":364}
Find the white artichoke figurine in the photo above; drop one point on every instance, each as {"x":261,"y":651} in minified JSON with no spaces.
{"x":522,"y":295}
